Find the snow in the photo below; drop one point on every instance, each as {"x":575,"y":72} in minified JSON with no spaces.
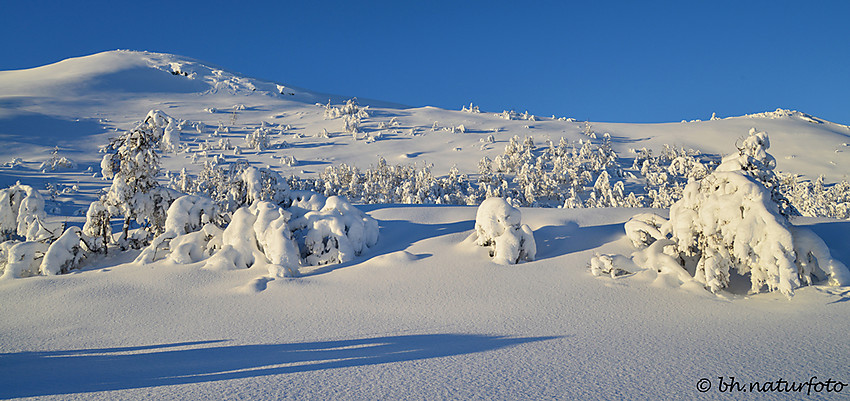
{"x":258,"y":289}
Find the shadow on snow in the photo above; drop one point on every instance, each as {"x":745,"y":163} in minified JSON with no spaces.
{"x":398,"y":235}
{"x":27,"y":374}
{"x":559,"y":240}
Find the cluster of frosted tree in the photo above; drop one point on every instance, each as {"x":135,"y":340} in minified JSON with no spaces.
{"x":132,"y":162}
{"x":566,"y":174}
{"x":734,"y":219}
{"x":351,"y":114}
{"x":393,"y":184}
{"x":232,"y":217}
{"x":252,"y":217}
{"x":815,"y":199}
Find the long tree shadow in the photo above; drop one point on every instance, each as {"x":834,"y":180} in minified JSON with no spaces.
{"x":28,"y":374}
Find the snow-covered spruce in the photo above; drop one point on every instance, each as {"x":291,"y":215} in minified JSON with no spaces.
{"x":498,"y":225}
{"x":731,"y":220}
{"x":132,"y":162}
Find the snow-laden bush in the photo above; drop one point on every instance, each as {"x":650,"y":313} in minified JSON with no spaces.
{"x":22,"y":215}
{"x":336,"y":233}
{"x":259,"y":232}
{"x":498,"y":225}
{"x":46,"y":256}
{"x":21,"y":259}
{"x":731,"y":220}
{"x":314,"y":230}
{"x":64,"y":254}
{"x":186,"y":215}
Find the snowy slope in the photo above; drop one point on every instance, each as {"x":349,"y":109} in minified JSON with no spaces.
{"x":420,"y":315}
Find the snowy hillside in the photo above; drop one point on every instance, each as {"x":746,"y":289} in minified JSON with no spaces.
{"x":220,"y":235}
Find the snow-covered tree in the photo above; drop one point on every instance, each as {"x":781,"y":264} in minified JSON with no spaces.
{"x":132,"y":162}
{"x":731,"y":220}
{"x":498,"y":225}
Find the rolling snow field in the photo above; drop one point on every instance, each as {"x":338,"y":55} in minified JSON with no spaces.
{"x":294,"y":298}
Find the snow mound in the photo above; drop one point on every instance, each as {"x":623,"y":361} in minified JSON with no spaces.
{"x":498,"y":225}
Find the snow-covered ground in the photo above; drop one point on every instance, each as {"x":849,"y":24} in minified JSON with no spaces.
{"x":422,"y":313}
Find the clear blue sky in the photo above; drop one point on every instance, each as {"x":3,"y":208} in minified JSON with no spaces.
{"x":622,"y":61}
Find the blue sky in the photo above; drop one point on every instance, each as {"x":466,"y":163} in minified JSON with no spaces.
{"x":621,"y":61}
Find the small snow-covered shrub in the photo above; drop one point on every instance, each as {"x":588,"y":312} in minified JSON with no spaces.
{"x":57,"y":162}
{"x":606,"y":265}
{"x":471,"y":109}
{"x":336,"y":233}
{"x":498,"y":225}
{"x":21,"y":259}
{"x":64,"y":254}
{"x":15,"y":163}
{"x":644,"y":229}
{"x":351,"y":124}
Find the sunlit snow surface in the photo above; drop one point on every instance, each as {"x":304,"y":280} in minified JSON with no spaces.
{"x":419,"y":315}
